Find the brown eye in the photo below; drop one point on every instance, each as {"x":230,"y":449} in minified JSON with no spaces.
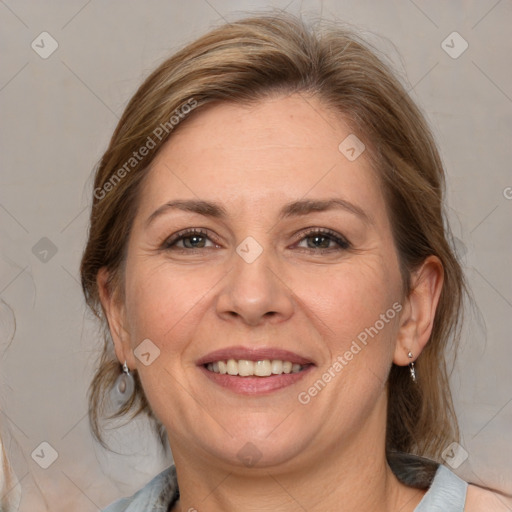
{"x":318,"y":242}
{"x":324,"y":240}
{"x":193,"y":241}
{"x":190,"y":239}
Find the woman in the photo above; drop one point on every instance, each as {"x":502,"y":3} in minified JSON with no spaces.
{"x":267,"y":247}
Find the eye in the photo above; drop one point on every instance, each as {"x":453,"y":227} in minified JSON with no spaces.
{"x":316,"y":240}
{"x":323,"y":240}
{"x":189,"y":239}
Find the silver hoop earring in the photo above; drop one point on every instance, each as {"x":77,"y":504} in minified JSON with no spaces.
{"x":411,"y":367}
{"x":123,"y":388}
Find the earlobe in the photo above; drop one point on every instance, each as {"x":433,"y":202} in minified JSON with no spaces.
{"x":417,"y":319}
{"x":114,"y":311}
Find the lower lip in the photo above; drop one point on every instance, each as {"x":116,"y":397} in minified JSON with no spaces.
{"x":256,"y":385}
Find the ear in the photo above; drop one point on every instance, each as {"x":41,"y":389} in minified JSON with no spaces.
{"x":115,"y":312}
{"x":419,"y":310}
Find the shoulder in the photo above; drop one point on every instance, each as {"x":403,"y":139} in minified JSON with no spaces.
{"x":479,"y":499}
{"x":155,"y":496}
{"x":119,"y":505}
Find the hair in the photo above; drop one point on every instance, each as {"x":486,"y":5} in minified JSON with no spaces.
{"x":271,"y":55}
{"x":10,"y":491}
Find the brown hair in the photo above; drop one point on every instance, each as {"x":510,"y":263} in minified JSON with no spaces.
{"x":271,"y":54}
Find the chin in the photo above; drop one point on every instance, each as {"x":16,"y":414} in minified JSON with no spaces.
{"x":255,"y":448}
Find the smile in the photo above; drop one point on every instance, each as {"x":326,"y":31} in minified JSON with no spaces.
{"x":247,"y":368}
{"x":254,"y":371}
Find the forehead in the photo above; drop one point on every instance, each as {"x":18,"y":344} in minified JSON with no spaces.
{"x":281,"y":148}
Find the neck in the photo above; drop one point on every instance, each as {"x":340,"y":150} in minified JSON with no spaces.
{"x":350,"y":475}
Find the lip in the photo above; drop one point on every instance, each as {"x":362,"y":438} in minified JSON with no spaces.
{"x":254,"y":385}
{"x":253,"y":354}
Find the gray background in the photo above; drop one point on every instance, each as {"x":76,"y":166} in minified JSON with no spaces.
{"x":57,"y":116}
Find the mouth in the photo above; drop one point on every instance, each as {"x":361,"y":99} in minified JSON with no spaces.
{"x":248,"y":368}
{"x":254,"y":371}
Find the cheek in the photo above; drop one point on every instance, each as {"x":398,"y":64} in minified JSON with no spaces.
{"x":352,"y":297}
{"x":356,"y":309}
{"x":161,"y":303}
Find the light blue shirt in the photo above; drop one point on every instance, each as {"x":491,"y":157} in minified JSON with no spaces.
{"x":447,"y":493}
{"x":159,"y":495}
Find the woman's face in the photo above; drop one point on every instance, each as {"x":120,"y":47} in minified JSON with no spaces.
{"x":288,"y":257}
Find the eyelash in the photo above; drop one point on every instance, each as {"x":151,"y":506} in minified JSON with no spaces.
{"x":343,"y":243}
{"x":188,"y":233}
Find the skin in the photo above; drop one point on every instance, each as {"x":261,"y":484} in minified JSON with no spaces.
{"x":252,"y":160}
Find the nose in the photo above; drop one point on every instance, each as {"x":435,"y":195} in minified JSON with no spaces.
{"x":254,"y":293}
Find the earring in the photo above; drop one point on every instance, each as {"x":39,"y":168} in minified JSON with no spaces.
{"x":411,"y":367}
{"x":123,"y":389}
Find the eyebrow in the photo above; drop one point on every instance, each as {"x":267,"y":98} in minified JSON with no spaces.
{"x":194,"y":206}
{"x":293,"y":209}
{"x":306,"y":206}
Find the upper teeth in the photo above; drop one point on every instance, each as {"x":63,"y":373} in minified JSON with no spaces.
{"x":245,"y":368}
